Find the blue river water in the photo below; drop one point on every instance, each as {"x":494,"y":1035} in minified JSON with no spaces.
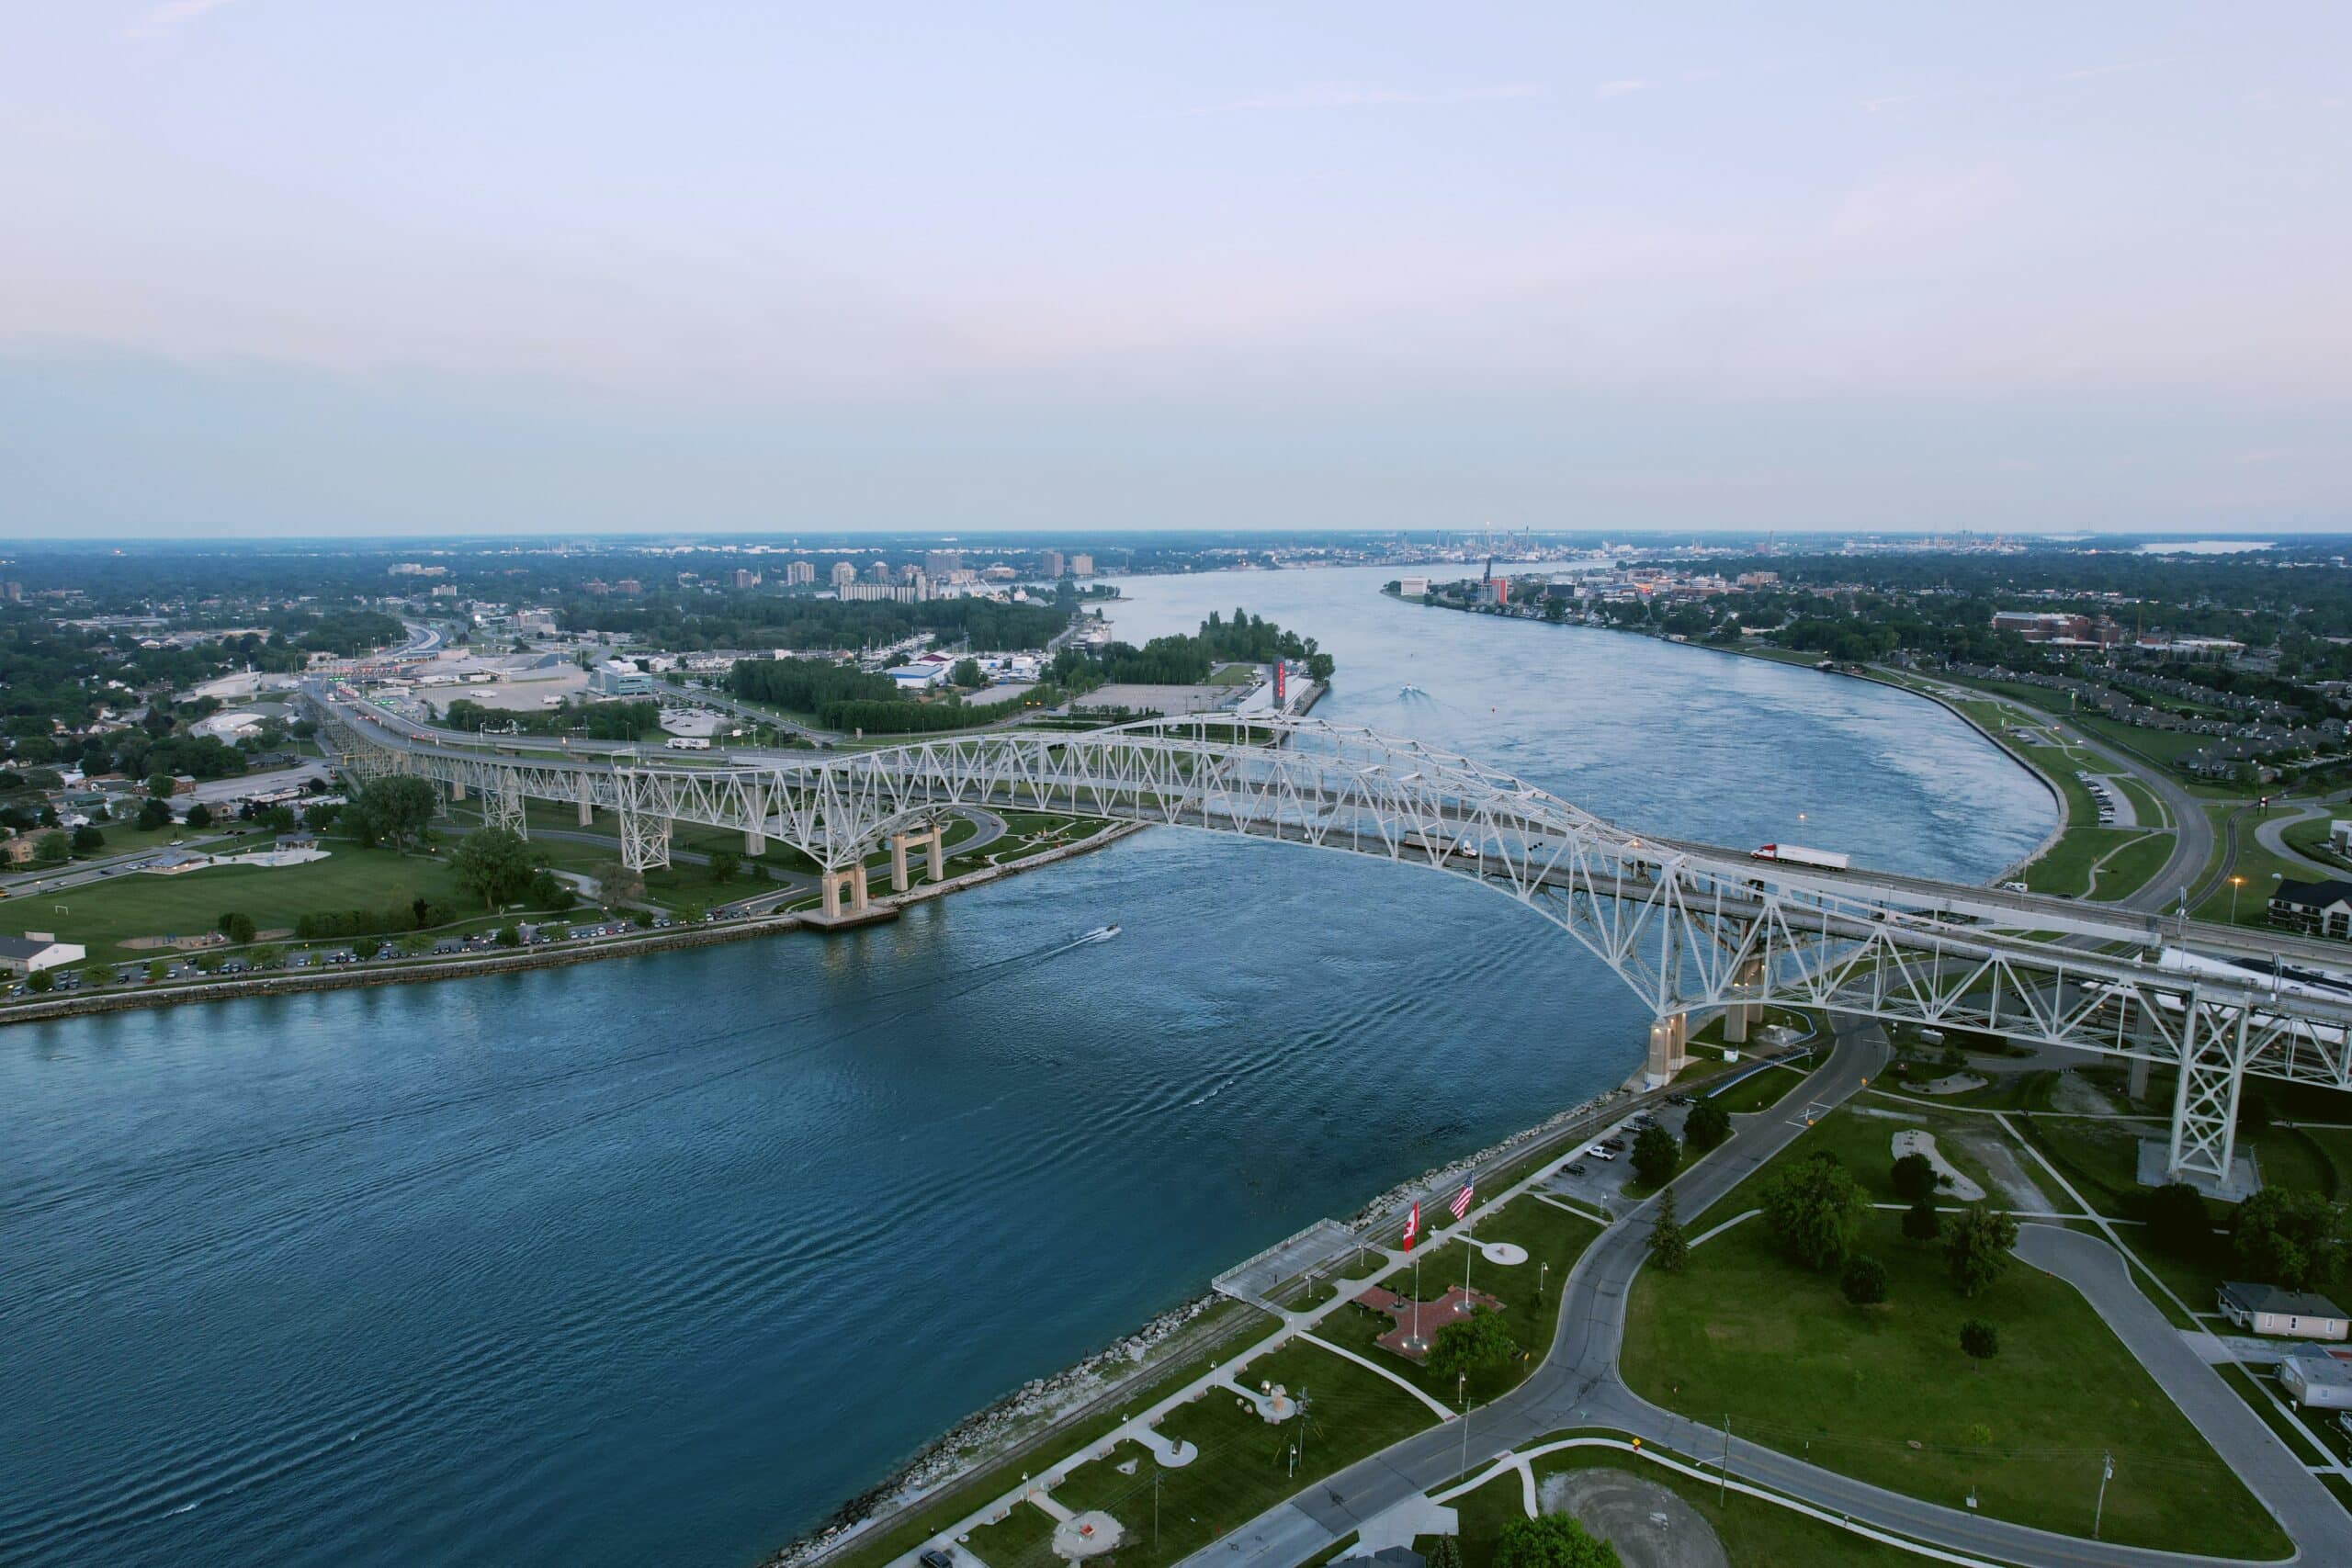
{"x":659,"y":1259}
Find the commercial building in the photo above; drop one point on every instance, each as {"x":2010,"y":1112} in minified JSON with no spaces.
{"x":918,"y":677}
{"x":1081,"y":566}
{"x":1413,"y":587}
{"x":1049,"y":564}
{"x":2266,"y":1309}
{"x":939,"y":563}
{"x":36,"y":951}
{"x":2315,"y":908}
{"x":620,"y":681}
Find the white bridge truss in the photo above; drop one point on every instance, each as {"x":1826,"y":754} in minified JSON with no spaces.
{"x":1686,"y":926}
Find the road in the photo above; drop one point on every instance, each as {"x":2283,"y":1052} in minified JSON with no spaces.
{"x":2192,"y":843}
{"x":2271,"y":834}
{"x":1578,"y":1386}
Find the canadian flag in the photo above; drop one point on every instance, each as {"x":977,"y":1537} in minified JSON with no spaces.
{"x":1412,"y":1224}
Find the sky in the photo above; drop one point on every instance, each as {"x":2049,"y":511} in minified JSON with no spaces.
{"x":294,"y":267}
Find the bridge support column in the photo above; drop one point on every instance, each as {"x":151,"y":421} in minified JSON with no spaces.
{"x":2205,"y":1100}
{"x":1739,"y":1016}
{"x":934,"y":861}
{"x":587,"y":804}
{"x":2136,"y":1079}
{"x":645,"y":839}
{"x":501,"y":806}
{"x":849,"y":879}
{"x":755,"y":843}
{"x":456,"y":789}
{"x":1669,"y":1040}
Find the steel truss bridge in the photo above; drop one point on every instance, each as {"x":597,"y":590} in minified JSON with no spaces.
{"x":1686,"y":926}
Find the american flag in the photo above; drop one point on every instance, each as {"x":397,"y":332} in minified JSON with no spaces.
{"x":1412,"y":1224}
{"x":1461,"y":1201}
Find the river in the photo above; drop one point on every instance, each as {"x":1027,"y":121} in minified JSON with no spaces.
{"x":660,"y":1258}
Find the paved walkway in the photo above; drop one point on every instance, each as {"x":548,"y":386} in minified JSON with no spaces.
{"x":1368,"y":1364}
{"x":1578,"y":1386}
{"x":2270,"y":1469}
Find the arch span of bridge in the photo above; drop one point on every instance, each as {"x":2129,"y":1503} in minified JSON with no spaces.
{"x":1686,"y":926}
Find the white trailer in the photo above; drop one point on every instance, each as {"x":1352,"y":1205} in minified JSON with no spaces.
{"x":1797,"y":854}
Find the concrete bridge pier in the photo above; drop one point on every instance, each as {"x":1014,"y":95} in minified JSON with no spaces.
{"x":587,"y":804}
{"x":931,"y":839}
{"x":850,"y":879}
{"x":1739,"y":1016}
{"x":456,"y":789}
{"x":1670,"y":1048}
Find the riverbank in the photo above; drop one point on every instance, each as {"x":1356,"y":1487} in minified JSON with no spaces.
{"x":396,"y":972}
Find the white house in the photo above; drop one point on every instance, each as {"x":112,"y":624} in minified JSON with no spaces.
{"x":2266,"y":1309}
{"x":36,"y":951}
{"x":2316,"y":1377}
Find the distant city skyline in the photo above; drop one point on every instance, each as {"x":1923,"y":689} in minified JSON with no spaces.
{"x":294,"y":270}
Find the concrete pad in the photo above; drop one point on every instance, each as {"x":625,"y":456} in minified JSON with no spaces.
{"x":1089,"y":1534}
{"x":2244,"y":1180}
{"x":1398,"y":1526}
{"x":1505,"y":1253}
{"x":1911,"y":1140}
{"x":1648,"y":1524}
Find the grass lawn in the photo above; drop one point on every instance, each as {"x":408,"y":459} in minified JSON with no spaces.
{"x":1754,"y":1533}
{"x":1740,"y":1331}
{"x":1244,"y":1466}
{"x":2258,"y":870}
{"x":102,"y":916}
{"x":2126,"y":870}
{"x":920,"y":1523}
{"x":1549,"y":1233}
{"x":2066,"y":869}
{"x":1757,"y":1090}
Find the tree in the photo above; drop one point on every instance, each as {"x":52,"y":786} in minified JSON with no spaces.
{"x":493,"y":863}
{"x":724,"y":864}
{"x":1921,"y":1223}
{"x":967,"y":675}
{"x":200,"y":816}
{"x":320,"y":818}
{"x":508,"y":936}
{"x":1470,"y":1344}
{"x":1813,"y":1211}
{"x":1707,"y":1125}
{"x":1551,"y":1541}
{"x":1445,"y":1552}
{"x":616,"y":884}
{"x":1914,"y":1177}
{"x":40,"y":980}
{"x":1668,"y":1247}
{"x":152,"y":813}
{"x":159,"y":786}
{"x":87,"y":839}
{"x":368,"y":946}
{"x":2177,"y":1219}
{"x":52,"y":849}
{"x":1656,"y":1154}
{"x":157,"y":969}
{"x":2288,"y":1238}
{"x":277,"y":818}
{"x":1977,"y":1247}
{"x":397,"y":807}
{"x":1980,"y":1341}
{"x":237,"y":926}
{"x":1865,"y":1281}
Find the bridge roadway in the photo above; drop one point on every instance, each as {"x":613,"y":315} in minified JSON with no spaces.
{"x":1683,"y":924}
{"x":2119,"y":923}
{"x":1578,"y":1386}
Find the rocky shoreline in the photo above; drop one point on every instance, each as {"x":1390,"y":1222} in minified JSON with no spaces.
{"x":985,"y":1437}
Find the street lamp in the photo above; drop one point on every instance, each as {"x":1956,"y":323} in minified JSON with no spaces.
{"x":2235,"y":882}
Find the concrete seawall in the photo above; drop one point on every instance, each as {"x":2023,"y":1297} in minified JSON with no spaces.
{"x":524,"y":958}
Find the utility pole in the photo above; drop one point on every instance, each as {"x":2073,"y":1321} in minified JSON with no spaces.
{"x":1155,"y":1513}
{"x":1723,"y":1476}
{"x":2106,"y":1473}
{"x":1463,"y":1382}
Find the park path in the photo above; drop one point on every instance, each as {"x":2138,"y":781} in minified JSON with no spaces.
{"x":1578,"y":1386}
{"x":2310,"y":1512}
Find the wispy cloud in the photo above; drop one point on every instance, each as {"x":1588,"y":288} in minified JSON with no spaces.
{"x":1873,"y":106}
{"x":1333,"y":96}
{"x":165,"y":17}
{"x":1624,"y":87}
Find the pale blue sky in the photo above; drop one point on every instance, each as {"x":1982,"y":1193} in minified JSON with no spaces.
{"x":310,"y":266}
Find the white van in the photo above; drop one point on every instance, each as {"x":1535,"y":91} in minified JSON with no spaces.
{"x":688,"y":743}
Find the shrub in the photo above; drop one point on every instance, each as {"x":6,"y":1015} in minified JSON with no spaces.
{"x":1914,"y":1177}
{"x":1865,"y":1281}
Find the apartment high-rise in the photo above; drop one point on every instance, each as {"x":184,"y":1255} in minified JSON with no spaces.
{"x":939,"y":563}
{"x":844,"y":574}
{"x":879,"y":573}
{"x":1049,"y":564}
{"x":798,"y":573}
{"x":1081,"y":566}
